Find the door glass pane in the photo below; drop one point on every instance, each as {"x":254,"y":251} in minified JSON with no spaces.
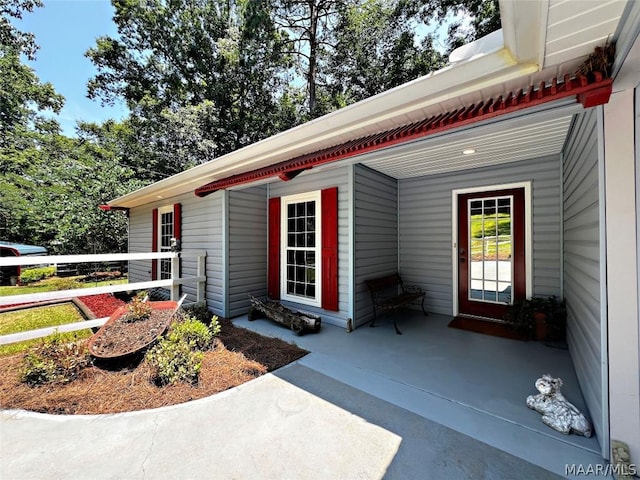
{"x":491,"y":244}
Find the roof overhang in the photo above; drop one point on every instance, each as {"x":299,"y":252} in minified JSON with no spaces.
{"x":587,"y":91}
{"x":443,"y":99}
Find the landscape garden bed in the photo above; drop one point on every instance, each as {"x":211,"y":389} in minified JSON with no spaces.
{"x":238,"y":355}
{"x":100,"y":386}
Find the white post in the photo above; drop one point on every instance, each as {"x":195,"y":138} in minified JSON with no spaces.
{"x":200,"y":295}
{"x":622,"y":273}
{"x":175,"y":275}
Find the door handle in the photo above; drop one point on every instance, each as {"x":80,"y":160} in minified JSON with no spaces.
{"x":462,"y":252}
{"x":462,"y":259}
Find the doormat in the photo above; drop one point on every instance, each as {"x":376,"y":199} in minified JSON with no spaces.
{"x":485,"y":327}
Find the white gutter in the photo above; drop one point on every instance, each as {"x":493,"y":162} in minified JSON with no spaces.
{"x":473,"y":74}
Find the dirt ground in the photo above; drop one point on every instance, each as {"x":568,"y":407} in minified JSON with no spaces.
{"x":238,"y":356}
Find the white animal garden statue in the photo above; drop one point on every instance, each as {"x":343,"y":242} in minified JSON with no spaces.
{"x":556,"y":411}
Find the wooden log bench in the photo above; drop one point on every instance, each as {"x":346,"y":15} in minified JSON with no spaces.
{"x":390,"y":293}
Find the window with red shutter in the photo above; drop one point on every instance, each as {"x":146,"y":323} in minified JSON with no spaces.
{"x":167,"y":224}
{"x":303,"y":248}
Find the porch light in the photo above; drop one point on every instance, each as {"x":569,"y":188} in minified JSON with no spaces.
{"x":468,"y":151}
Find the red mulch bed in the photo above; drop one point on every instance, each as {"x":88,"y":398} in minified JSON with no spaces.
{"x":102,"y":305}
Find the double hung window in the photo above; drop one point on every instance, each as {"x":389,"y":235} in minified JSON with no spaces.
{"x":300,"y":240}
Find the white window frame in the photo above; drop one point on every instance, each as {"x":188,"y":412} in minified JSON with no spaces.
{"x":284,"y":203}
{"x":161,"y":211}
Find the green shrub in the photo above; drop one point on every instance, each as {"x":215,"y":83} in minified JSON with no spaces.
{"x":178,"y":357}
{"x":54,"y":361}
{"x":193,"y":332}
{"x":199,"y":311}
{"x":64,"y":284}
{"x":173,"y":362}
{"x":34,"y":274}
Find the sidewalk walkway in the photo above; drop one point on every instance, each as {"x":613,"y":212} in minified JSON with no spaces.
{"x":295,"y":424}
{"x":324,"y":417}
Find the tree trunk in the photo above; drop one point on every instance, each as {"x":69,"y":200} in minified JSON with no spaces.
{"x":313,"y":52}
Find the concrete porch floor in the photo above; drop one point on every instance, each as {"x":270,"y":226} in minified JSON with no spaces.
{"x":472,"y":383}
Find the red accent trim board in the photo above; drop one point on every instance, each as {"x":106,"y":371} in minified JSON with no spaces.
{"x":329,"y":249}
{"x":177,"y":221}
{"x":273,"y":266}
{"x":590,"y":91}
{"x":154,"y":243}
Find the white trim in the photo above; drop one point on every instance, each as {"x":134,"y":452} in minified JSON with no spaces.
{"x":528,"y":229}
{"x":352,"y":242}
{"x":225,"y":255}
{"x":604,"y":319}
{"x":316,"y":196}
{"x":161,"y":211}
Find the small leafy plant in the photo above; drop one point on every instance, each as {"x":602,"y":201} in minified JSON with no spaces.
{"x":138,"y":310}
{"x":193,"y":332}
{"x":56,"y":360}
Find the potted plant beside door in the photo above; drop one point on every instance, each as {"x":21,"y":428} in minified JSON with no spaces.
{"x":538,"y":318}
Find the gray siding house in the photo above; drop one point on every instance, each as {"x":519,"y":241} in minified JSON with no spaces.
{"x":395,"y":183}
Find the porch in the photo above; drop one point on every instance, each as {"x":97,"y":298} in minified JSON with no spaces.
{"x":472,"y":383}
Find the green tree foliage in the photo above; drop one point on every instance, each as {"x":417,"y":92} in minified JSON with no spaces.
{"x":377,"y":48}
{"x":12,"y":38}
{"x":201,"y":78}
{"x":50,"y":190}
{"x":472,"y":19}
{"x":22,"y":95}
{"x":199,"y":57}
{"x":308,"y":31}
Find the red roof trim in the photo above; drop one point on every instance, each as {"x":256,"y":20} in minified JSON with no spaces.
{"x":107,"y":208}
{"x":590,"y":91}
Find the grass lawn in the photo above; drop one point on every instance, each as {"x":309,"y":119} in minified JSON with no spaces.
{"x":41,"y":317}
{"x":38,"y":317}
{"x":486,"y":249}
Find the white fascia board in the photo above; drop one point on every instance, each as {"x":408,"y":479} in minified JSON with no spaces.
{"x":524,"y":26}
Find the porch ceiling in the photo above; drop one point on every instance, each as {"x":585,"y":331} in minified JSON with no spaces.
{"x":503,"y":142}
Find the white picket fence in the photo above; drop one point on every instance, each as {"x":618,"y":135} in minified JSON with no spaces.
{"x":172,"y":284}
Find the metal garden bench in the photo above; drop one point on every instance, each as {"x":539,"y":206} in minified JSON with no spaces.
{"x":390,"y":293}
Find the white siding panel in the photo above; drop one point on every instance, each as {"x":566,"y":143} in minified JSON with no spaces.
{"x":201,"y":230}
{"x":581,"y":260}
{"x":376,"y":234}
{"x":247,"y":247}
{"x":426,"y":226}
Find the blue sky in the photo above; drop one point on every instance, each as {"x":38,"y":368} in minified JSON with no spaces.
{"x":65,"y":30}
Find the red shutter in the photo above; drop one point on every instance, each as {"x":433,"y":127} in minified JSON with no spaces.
{"x":177,"y":221}
{"x":330,"y":249}
{"x":273,"y":274}
{"x":154,"y":243}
